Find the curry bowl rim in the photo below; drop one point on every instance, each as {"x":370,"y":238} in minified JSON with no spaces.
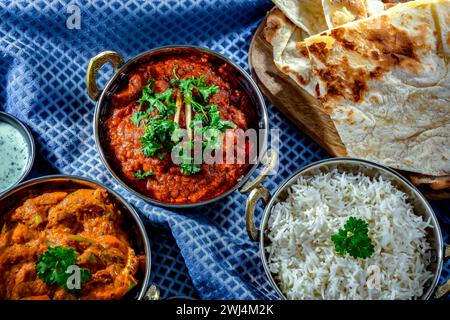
{"x":259,"y":103}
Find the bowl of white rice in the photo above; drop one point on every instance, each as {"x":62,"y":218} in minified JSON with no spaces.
{"x":310,"y":251}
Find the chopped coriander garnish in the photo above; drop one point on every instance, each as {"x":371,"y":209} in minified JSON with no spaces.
{"x":354,"y":239}
{"x":142,"y":175}
{"x":157,"y":135}
{"x":187,"y":165}
{"x":199,"y":84}
{"x":147,"y":92}
{"x":161,"y":132}
{"x":52,"y":265}
{"x":138,"y":116}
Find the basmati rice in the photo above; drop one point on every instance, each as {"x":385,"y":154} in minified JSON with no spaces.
{"x":302,"y":256}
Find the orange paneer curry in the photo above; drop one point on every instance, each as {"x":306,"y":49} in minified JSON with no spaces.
{"x":85,"y":222}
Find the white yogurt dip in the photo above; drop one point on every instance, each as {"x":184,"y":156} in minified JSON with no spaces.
{"x":14,"y":155}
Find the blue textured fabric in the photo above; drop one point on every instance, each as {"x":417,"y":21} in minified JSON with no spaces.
{"x":205,"y":252}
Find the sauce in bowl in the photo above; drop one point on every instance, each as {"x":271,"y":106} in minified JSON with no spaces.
{"x":153,"y":173}
{"x":14,"y":155}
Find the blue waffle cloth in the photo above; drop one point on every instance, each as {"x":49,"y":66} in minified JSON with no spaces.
{"x":203,"y":253}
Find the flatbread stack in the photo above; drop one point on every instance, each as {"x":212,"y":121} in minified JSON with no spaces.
{"x":380,"y":70}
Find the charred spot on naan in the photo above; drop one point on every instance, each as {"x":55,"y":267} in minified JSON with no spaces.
{"x":287,"y":70}
{"x":380,"y":42}
{"x":302,"y":50}
{"x":320,"y":50}
{"x":354,"y":88}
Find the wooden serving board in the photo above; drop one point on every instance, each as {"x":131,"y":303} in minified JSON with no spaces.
{"x":301,"y":108}
{"x":295,"y":103}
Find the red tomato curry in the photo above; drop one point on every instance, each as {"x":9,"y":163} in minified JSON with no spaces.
{"x":166,"y":182}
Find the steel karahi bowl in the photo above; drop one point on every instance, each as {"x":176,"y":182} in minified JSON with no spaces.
{"x":415,"y":198}
{"x":121,"y":68}
{"x":132,"y":223}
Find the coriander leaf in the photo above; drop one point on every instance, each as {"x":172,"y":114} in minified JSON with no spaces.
{"x":164,"y":96}
{"x":198,"y":107}
{"x":186,"y":87}
{"x":360,"y":247}
{"x":85,"y":275}
{"x":147,"y":91}
{"x":161,"y":101}
{"x":187,"y":165}
{"x":51,"y":266}
{"x":212,"y":138}
{"x":199,"y":84}
{"x":138,"y":116}
{"x":142,"y":175}
{"x":203,"y":89}
{"x":157,"y":135}
{"x":161,"y":155}
{"x":354,"y":239}
{"x":216,"y":121}
{"x":188,"y":168}
{"x":149,"y":145}
{"x":201,"y":118}
{"x":207,"y":91}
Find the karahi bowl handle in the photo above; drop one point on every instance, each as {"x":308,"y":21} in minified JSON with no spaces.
{"x":94,"y":66}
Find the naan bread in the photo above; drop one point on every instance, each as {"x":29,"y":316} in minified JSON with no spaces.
{"x":277,"y":31}
{"x":315,"y":16}
{"x":385,"y":82}
{"x":306,"y":14}
{"x":339,"y":12}
{"x":289,"y":51}
{"x":374,"y":7}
